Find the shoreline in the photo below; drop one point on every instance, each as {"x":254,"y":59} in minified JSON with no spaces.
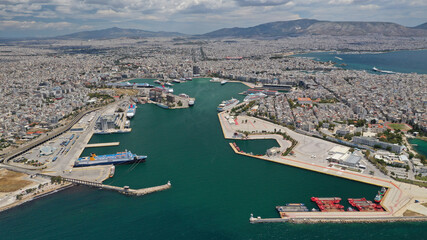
{"x":412,"y":148}
{"x":40,"y":195}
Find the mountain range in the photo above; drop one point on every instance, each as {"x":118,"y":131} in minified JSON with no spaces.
{"x":116,"y":32}
{"x":304,"y":27}
{"x":301,"y":27}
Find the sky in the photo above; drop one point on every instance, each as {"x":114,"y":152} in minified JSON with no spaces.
{"x":44,"y":18}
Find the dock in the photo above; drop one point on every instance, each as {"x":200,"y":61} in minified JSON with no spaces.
{"x":110,"y":144}
{"x":124,"y":190}
{"x":312,"y":220}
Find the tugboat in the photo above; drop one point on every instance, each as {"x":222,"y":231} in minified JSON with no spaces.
{"x":378,"y":197}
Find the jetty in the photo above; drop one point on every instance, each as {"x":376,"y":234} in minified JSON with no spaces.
{"x":343,"y":219}
{"x":110,"y":144}
{"x":124,"y":190}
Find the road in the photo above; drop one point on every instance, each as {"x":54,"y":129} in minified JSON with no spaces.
{"x":48,"y":136}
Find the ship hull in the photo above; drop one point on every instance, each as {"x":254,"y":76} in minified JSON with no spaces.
{"x":118,"y":162}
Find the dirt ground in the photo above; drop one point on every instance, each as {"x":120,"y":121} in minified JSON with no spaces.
{"x":130,"y":92}
{"x":409,"y":213}
{"x":11,"y":181}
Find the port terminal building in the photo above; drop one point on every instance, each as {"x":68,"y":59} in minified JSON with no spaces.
{"x":375,"y":142}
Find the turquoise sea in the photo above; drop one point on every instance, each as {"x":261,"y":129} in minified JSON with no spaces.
{"x":398,"y":61}
{"x":419,"y":145}
{"x":213,"y":192}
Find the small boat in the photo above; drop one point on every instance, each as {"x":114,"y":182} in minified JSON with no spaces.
{"x":168,"y":84}
{"x":383,"y":190}
{"x":157,"y":81}
{"x":382,"y":71}
{"x":176,"y":81}
{"x":223,"y":82}
{"x":162,"y":105}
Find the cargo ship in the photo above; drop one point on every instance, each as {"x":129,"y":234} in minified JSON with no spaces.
{"x":292,"y":207}
{"x":330,"y":204}
{"x":227,"y":105}
{"x":364,"y":205}
{"x":131,"y":111}
{"x":125,"y":157}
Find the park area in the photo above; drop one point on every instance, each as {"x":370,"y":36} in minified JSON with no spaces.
{"x":398,"y":126}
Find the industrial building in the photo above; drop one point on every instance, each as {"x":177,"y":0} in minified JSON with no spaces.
{"x":108,"y":122}
{"x":375,"y":142}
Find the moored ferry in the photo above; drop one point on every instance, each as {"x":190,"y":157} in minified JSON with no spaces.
{"x":125,"y":157}
{"x":131,"y":111}
{"x":226,"y":105}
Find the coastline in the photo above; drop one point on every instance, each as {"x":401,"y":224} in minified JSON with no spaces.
{"x":31,"y":197}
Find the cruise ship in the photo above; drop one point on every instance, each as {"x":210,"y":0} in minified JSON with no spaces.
{"x":165,"y":89}
{"x":131,"y":111}
{"x":254,"y":96}
{"x":125,"y":157}
{"x":227,"y":105}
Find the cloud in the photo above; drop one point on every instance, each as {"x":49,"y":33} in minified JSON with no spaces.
{"x":369,"y":7}
{"x":245,"y":3}
{"x":10,"y":24}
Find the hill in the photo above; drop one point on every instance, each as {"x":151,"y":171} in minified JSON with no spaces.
{"x":115,"y":32}
{"x":304,"y":27}
{"x":421,"y":26}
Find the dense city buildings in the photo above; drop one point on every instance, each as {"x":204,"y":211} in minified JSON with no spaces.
{"x":46,"y":81}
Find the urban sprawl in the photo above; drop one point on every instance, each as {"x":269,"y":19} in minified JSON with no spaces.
{"x":44,"y":83}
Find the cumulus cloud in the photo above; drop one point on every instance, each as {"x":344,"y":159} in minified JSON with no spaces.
{"x":8,"y":24}
{"x":261,"y":2}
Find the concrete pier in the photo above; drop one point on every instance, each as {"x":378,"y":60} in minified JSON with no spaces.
{"x":103,"y":144}
{"x":307,"y":219}
{"x":124,"y":190}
